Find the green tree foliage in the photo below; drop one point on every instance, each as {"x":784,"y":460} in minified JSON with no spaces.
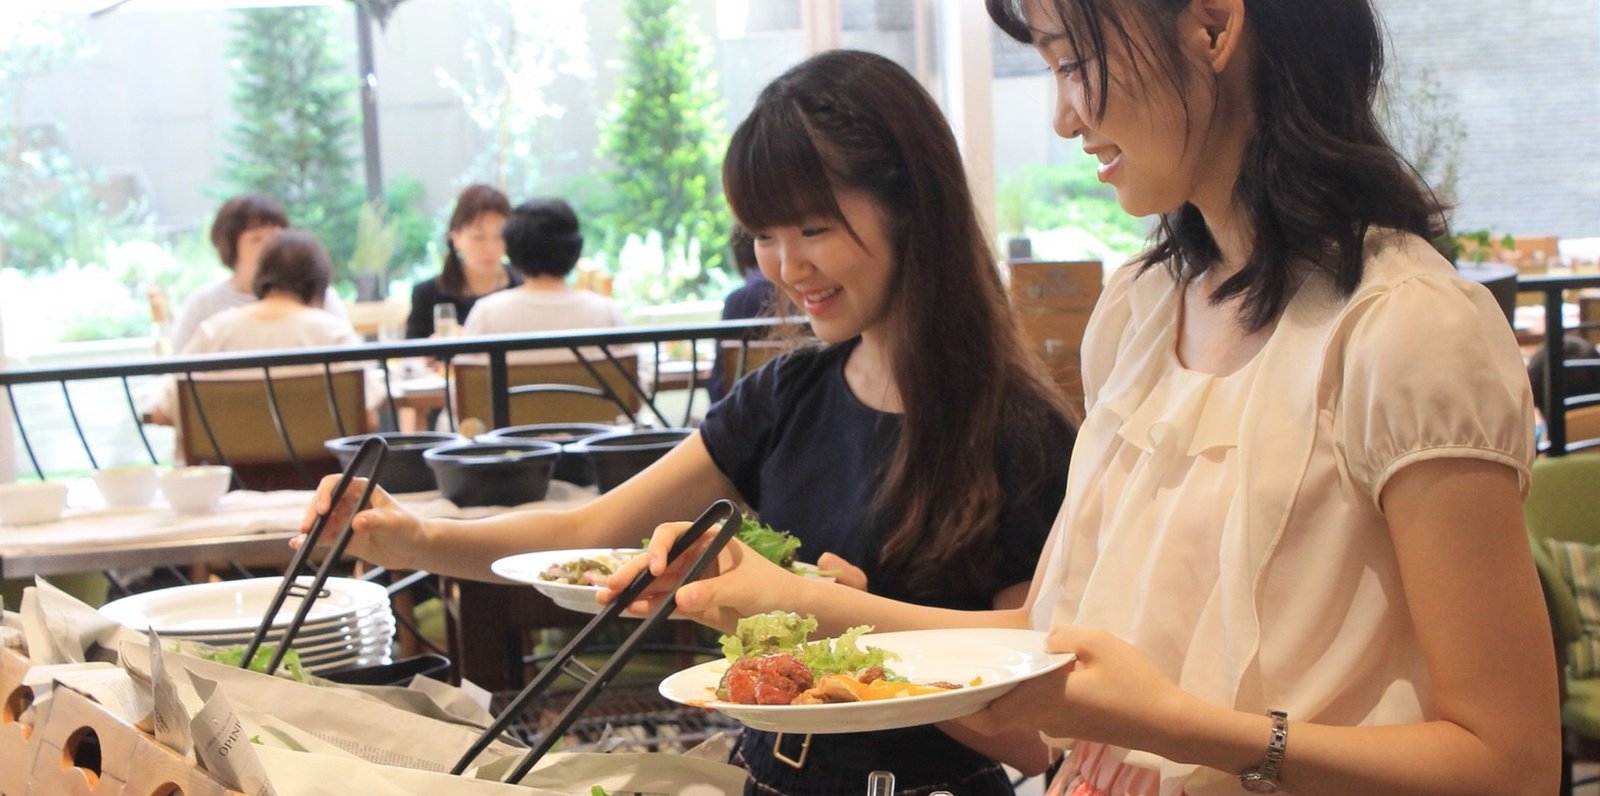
{"x":295,"y":94}
{"x":523,"y":57}
{"x":663,"y":132}
{"x":1068,"y":194}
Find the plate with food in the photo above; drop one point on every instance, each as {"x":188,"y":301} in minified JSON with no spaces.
{"x":771,"y":678}
{"x":573,"y":578}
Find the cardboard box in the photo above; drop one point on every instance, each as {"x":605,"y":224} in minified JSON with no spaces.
{"x":1072,"y":285}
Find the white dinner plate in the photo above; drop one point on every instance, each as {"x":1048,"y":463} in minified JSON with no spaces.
{"x":233,"y":606}
{"x":347,"y":625}
{"x":367,"y":622}
{"x":324,"y":657}
{"x":1001,"y":657}
{"x":527,"y":567}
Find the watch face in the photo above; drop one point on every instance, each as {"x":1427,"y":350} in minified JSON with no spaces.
{"x":1253,"y":781}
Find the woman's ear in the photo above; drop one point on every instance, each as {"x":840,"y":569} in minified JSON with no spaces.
{"x":1218,"y":29}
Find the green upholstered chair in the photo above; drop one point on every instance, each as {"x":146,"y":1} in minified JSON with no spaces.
{"x":1563,"y":505}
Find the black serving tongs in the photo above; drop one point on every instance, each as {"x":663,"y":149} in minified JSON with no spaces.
{"x":721,"y":511}
{"x":370,"y":455}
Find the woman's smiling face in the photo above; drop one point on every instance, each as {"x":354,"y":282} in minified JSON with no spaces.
{"x":1150,"y":146}
{"x":841,"y":283}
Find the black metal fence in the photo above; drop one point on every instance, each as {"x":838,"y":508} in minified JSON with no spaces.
{"x":595,"y":351}
{"x":1557,"y":398}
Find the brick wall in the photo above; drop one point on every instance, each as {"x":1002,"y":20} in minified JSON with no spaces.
{"x":1525,"y":78}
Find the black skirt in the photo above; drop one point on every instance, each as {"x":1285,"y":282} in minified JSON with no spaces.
{"x":922,"y":759}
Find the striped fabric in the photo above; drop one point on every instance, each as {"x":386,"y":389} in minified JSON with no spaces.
{"x":1579,"y":564}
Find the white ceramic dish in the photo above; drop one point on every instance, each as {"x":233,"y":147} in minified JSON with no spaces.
{"x":32,"y":503}
{"x":133,"y":485}
{"x":375,"y":633}
{"x":1001,"y":657}
{"x":350,"y":663}
{"x":528,"y":567}
{"x":237,"y":606}
{"x":353,"y":625}
{"x":195,"y":489}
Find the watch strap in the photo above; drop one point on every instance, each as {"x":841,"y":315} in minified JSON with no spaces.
{"x":1264,"y":777}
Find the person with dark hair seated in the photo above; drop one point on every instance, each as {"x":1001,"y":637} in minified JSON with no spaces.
{"x":244,"y":226}
{"x":288,"y":288}
{"x":753,"y":299}
{"x":473,"y":261}
{"x":543,"y":241}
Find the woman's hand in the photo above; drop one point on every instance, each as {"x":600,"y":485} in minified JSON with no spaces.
{"x":738,"y":583}
{"x":1112,"y":693}
{"x":845,"y":573}
{"x":385,"y":533}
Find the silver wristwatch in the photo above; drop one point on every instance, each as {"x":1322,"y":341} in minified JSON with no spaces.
{"x":1264,"y":778}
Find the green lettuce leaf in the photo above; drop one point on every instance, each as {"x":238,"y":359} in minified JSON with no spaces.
{"x":782,"y":631}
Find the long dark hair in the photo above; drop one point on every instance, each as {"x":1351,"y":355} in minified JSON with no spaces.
{"x":855,"y":120}
{"x":1319,"y":171}
{"x":474,"y":201}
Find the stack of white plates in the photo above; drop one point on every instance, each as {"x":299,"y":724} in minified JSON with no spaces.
{"x":350,"y":624}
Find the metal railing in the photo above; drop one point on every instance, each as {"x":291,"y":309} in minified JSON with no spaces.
{"x":1556,"y":400}
{"x":648,"y":342}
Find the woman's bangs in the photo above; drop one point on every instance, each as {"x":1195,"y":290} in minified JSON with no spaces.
{"x":773,"y":175}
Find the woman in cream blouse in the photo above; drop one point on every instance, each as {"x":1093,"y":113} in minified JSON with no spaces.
{"x":1291,"y":556}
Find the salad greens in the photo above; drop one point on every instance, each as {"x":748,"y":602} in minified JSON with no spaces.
{"x":779,"y":547}
{"x":231,"y":656}
{"x":782,"y":631}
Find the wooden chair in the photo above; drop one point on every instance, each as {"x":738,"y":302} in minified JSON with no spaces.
{"x":1583,"y":429}
{"x":1563,"y":504}
{"x":736,"y":359}
{"x":557,"y":392}
{"x":271,"y":437}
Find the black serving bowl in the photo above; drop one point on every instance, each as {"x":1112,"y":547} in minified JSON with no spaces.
{"x":504,"y":473}
{"x":615,"y":457}
{"x":403,"y":467}
{"x":570,"y":469}
{"x":399,"y":673}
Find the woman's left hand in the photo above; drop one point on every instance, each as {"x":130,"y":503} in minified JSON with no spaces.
{"x":1112,"y":694}
{"x":738,"y":583}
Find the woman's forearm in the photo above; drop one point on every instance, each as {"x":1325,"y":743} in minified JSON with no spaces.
{"x":1438,"y":757}
{"x":838,"y":608}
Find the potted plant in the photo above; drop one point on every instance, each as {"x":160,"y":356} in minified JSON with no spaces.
{"x":375,"y":244}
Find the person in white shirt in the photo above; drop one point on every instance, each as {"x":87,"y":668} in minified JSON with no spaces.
{"x":242,"y":229}
{"x":543,"y":241}
{"x":288,"y":291}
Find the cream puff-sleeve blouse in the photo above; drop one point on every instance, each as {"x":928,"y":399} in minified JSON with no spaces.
{"x":1229,"y":526}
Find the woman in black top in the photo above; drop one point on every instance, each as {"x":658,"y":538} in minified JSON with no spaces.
{"x":474,"y":261}
{"x":916,"y":438}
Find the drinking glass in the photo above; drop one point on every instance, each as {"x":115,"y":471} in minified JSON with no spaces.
{"x":445,"y":323}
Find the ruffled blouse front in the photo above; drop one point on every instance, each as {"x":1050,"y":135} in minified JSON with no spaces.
{"x":1230,"y":526}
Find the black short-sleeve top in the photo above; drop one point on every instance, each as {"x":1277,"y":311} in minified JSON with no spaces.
{"x":808,"y":456}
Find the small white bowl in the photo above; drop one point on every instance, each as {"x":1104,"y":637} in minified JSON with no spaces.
{"x":132,"y":485}
{"x":196,"y":489}
{"x":32,"y":502}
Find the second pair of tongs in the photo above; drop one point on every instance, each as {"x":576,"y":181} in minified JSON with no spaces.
{"x":369,"y":456}
{"x":721,"y":511}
